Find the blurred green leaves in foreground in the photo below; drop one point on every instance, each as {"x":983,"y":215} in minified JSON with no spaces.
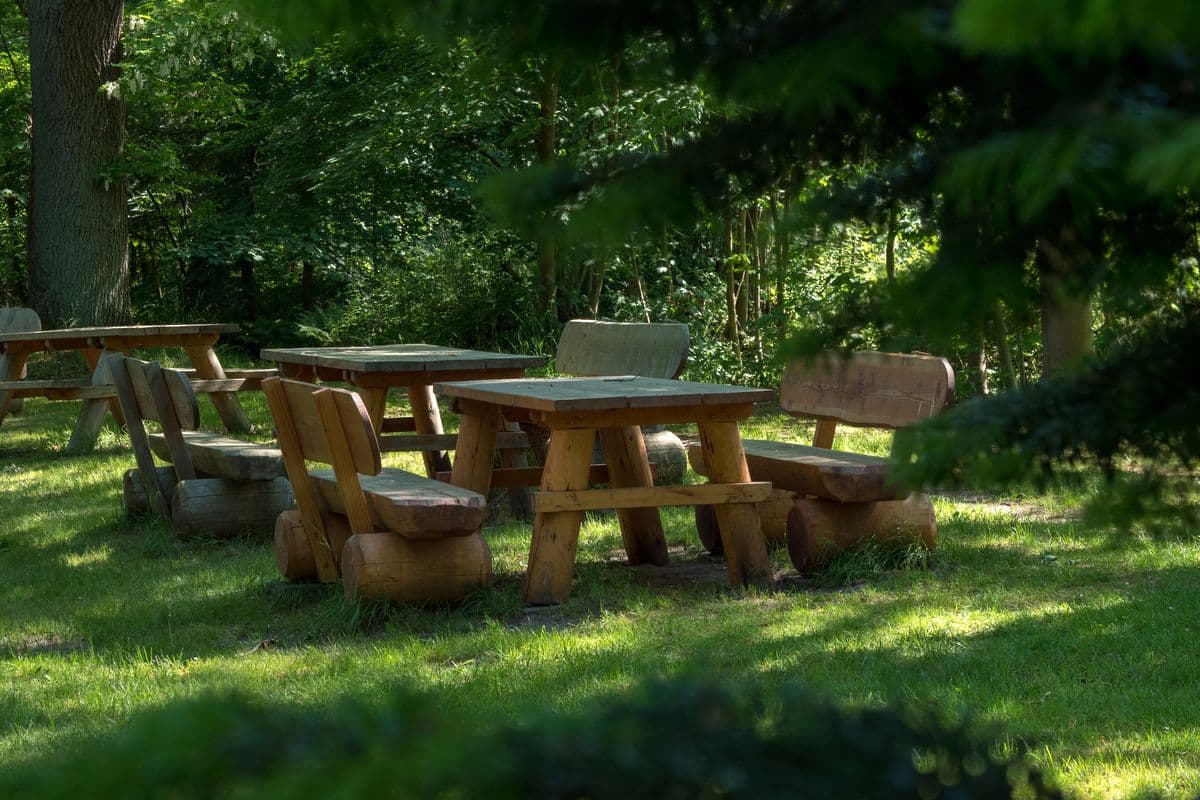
{"x":679,"y":739}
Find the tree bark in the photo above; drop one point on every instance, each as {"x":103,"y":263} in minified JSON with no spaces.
{"x":78,"y":227}
{"x":1066,"y":302}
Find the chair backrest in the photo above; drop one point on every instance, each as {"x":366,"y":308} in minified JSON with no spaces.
{"x":331,"y":426}
{"x":147,"y":391}
{"x":868,"y":390}
{"x":649,"y":349}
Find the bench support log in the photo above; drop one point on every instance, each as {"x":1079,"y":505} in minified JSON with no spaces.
{"x":414,"y":571}
{"x":818,"y":530}
{"x":224,"y":508}
{"x":294,"y":554}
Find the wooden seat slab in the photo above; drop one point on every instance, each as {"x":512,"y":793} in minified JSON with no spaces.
{"x":408,"y":504}
{"x":828,"y":474}
{"x":224,"y":456}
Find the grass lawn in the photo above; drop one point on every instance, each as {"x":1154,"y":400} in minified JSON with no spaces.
{"x":1065,"y":641}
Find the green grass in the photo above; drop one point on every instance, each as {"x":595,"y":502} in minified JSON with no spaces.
{"x":1067,"y":642}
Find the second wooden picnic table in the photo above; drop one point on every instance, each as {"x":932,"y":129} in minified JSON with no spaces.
{"x":575,"y":410}
{"x":414,"y":367}
{"x":197,"y":341}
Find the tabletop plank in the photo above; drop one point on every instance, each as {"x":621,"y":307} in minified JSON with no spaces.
{"x":399,"y":358}
{"x":119,"y":331}
{"x":564,"y":395}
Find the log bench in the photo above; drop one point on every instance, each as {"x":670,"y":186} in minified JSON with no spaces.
{"x":826,"y":501}
{"x":390,"y":534}
{"x":215,"y":485}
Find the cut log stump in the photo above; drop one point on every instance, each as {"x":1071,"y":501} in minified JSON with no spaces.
{"x":137,"y":503}
{"x":224,"y":508}
{"x":294,"y":554}
{"x":773,"y":513}
{"x":666,"y":450}
{"x":817,"y":530}
{"x":414,"y":571}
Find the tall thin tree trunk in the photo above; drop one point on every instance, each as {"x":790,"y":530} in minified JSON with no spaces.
{"x":547,"y":280}
{"x":731,"y":318}
{"x":1066,"y":302}
{"x":890,"y":251}
{"x":78,"y":226}
{"x":999,"y":329}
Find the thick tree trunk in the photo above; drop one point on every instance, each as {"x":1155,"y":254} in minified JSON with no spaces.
{"x":78,"y":229}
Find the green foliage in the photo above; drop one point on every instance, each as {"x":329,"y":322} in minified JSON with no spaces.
{"x":668,"y":739}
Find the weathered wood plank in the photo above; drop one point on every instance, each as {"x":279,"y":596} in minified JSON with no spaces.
{"x":408,"y":504}
{"x":400,"y":358}
{"x":225,"y":457}
{"x":445,"y":441}
{"x":878,"y":390}
{"x":651,"y":496}
{"x":831,"y":474}
{"x":611,"y":394}
{"x":221,"y":508}
{"x":593,"y":347}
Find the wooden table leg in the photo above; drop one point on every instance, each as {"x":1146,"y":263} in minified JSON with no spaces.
{"x":428,"y":419}
{"x":628,"y":467}
{"x":519,"y":500}
{"x":476,"y":449}
{"x":741,"y":529}
{"x":208,"y":367}
{"x":375,"y":399}
{"x":556,"y":535}
{"x":92,"y":356}
{"x":13,"y":365}
{"x":91,"y":415}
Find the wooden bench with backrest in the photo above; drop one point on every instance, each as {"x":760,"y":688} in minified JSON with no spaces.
{"x":826,"y":500}
{"x":215,"y":485}
{"x":14,"y":320}
{"x":390,"y":533}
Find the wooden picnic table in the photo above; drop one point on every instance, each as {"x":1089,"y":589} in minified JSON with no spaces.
{"x":196,"y":340}
{"x":415,"y":367}
{"x":575,"y":410}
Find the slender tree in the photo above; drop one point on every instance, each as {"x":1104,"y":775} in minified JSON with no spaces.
{"x":78,"y":229}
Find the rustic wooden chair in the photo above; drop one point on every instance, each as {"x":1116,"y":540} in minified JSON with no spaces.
{"x":15,"y":320}
{"x":215,"y":485}
{"x":827,"y":500}
{"x":394,"y":534}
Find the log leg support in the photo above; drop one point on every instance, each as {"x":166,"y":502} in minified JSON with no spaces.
{"x":556,"y":534}
{"x":419,"y":572}
{"x":773,"y":515}
{"x":818,"y":530}
{"x":208,"y":367}
{"x":641,"y":528}
{"x":741,"y":530}
{"x":222,"y":508}
{"x":294,"y":554}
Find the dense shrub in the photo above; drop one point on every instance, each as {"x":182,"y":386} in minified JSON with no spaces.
{"x":670,"y":739}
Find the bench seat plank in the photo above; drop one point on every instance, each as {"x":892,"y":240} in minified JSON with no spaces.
{"x":828,"y":474}
{"x":224,"y":456}
{"x":408,"y":504}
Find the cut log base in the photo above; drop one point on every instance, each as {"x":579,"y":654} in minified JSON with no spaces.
{"x":224,"y":508}
{"x":137,"y":503}
{"x":818,"y":530}
{"x":423,"y":572}
{"x":293,"y":553}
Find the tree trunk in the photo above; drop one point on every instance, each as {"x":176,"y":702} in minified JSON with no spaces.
{"x":78,"y":228}
{"x":548,"y":105}
{"x":1066,"y":302}
{"x":890,"y":250}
